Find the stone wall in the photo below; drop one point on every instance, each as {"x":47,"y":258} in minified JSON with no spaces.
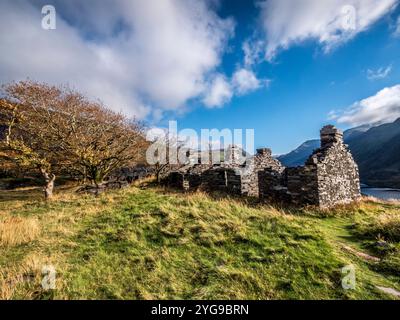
{"x":188,"y":178}
{"x":250,"y":173}
{"x":239,"y":178}
{"x":302,"y":185}
{"x":130,"y":174}
{"x":232,"y":175}
{"x":338,"y":177}
{"x":220,"y":178}
{"x":329,"y":177}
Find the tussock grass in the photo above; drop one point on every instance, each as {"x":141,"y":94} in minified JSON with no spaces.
{"x":385,"y":226}
{"x":376,"y":200}
{"x":146,"y":242}
{"x":23,"y":280}
{"x":17,"y":230}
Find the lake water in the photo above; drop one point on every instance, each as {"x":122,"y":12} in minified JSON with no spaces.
{"x":382,"y":193}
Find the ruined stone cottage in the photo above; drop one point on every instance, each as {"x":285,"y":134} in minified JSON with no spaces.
{"x":329,"y":177}
{"x":236,"y":174}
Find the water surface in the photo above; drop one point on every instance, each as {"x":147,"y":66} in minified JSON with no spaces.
{"x":382,"y":193}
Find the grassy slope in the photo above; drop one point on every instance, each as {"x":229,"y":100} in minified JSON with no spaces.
{"x":153,"y":244}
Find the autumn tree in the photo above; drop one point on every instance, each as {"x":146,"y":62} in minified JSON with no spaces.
{"x":166,"y":153}
{"x":51,"y":127}
{"x":26,"y":143}
{"x":100,"y":140}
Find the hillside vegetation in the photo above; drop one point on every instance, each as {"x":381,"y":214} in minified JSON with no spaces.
{"x":149,"y":243}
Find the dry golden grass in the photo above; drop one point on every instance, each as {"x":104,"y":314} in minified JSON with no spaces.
{"x":386,"y":226}
{"x":25,"y":277}
{"x":8,"y":282}
{"x":17,"y":230}
{"x":393,"y":201}
{"x":364,"y":204}
{"x":371,"y":199}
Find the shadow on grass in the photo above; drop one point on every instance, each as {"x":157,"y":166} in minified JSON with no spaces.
{"x":24,"y":194}
{"x":29,"y":193}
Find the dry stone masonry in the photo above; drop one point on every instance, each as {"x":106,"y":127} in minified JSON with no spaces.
{"x":329,"y":177}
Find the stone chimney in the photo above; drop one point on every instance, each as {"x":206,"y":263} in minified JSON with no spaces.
{"x":330,"y":135}
{"x":264,"y":152}
{"x":234,"y":155}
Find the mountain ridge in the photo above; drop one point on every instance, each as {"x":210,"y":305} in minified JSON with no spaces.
{"x":375,"y":148}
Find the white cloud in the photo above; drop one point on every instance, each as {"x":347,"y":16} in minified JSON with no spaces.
{"x":219,"y":93}
{"x":330,"y":22}
{"x":136,"y":56}
{"x":221,"y":90}
{"x":397,"y":31}
{"x":333,"y":115}
{"x":378,"y":74}
{"x":245,"y":81}
{"x":383,"y":107}
{"x":253,"y":50}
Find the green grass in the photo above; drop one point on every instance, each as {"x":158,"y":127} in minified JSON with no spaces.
{"x":150,"y":243}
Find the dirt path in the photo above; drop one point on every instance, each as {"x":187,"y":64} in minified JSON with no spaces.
{"x":349,"y":249}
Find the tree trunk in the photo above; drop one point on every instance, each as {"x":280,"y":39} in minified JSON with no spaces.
{"x":159,"y":171}
{"x":84,"y":176}
{"x":48,"y":188}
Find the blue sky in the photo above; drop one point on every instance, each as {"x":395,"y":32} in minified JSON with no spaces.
{"x":282,"y":67}
{"x":306,"y":84}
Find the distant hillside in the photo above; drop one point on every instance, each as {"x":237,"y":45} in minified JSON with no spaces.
{"x":376,"y":149}
{"x":377,"y":153}
{"x":357,"y":131}
{"x":298,"y":156}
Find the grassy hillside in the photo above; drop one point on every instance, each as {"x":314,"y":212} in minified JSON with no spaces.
{"x":149,"y":243}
